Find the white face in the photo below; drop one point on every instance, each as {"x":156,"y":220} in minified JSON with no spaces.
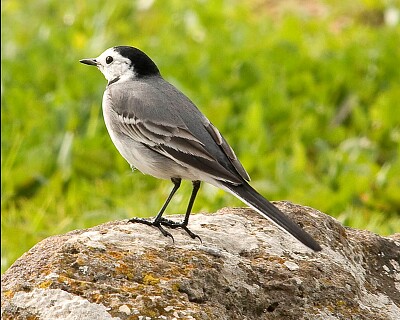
{"x":113,"y":65}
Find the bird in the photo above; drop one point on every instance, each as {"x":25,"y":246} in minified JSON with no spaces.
{"x":161,"y":132}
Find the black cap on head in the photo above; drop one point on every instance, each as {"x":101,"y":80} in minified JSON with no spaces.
{"x":141,"y":62}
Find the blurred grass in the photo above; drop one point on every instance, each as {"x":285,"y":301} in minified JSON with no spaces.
{"x":307,"y":93}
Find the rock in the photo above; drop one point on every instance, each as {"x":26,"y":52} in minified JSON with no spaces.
{"x":245,"y":268}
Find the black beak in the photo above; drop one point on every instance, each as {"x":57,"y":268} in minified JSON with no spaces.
{"x":90,"y":62}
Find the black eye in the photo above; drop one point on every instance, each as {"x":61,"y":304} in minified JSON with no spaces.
{"x":109,"y":59}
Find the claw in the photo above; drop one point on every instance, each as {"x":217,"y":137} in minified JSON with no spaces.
{"x":153,"y":224}
{"x":174,"y":225}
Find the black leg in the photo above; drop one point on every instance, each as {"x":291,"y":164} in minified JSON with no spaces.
{"x":184,"y":223}
{"x":196,"y":187}
{"x":157,"y":221}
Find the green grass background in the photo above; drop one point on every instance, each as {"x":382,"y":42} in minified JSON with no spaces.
{"x":307,"y":93}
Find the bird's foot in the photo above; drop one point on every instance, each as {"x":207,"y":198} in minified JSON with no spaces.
{"x":174,"y":225}
{"x":154,"y":223}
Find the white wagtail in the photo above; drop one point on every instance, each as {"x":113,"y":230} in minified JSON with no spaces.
{"x":159,"y":131}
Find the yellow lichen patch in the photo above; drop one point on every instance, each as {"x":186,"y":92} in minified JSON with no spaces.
{"x":122,"y":268}
{"x":149,"y":279}
{"x":45,"y":284}
{"x":150,"y":255}
{"x":341,"y":303}
{"x":276,"y":259}
{"x":64,"y":279}
{"x":116,"y":255}
{"x":175,"y":286}
{"x":97,"y":298}
{"x":9,"y":294}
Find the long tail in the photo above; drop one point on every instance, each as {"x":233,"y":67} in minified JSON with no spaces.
{"x":252,"y":198}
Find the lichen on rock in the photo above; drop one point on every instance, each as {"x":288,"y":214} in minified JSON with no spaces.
{"x":244,"y":268}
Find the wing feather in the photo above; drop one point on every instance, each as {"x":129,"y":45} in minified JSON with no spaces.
{"x":220,"y":140}
{"x":163,"y":119}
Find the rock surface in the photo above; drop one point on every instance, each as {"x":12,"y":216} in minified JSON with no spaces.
{"x":245,"y":268}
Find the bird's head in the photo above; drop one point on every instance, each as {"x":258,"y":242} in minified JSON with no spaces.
{"x":123,"y":62}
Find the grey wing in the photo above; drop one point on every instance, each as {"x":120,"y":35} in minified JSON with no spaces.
{"x":160,"y":117}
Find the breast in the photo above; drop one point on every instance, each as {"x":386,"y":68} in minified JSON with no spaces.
{"x":127,"y":147}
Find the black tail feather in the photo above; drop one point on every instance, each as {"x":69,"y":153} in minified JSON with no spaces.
{"x":252,"y":198}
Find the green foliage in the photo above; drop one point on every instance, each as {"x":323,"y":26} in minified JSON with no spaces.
{"x":309,"y":101}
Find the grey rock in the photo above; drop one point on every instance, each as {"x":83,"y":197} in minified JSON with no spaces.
{"x":244,"y":268}
{"x":50,"y":304}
